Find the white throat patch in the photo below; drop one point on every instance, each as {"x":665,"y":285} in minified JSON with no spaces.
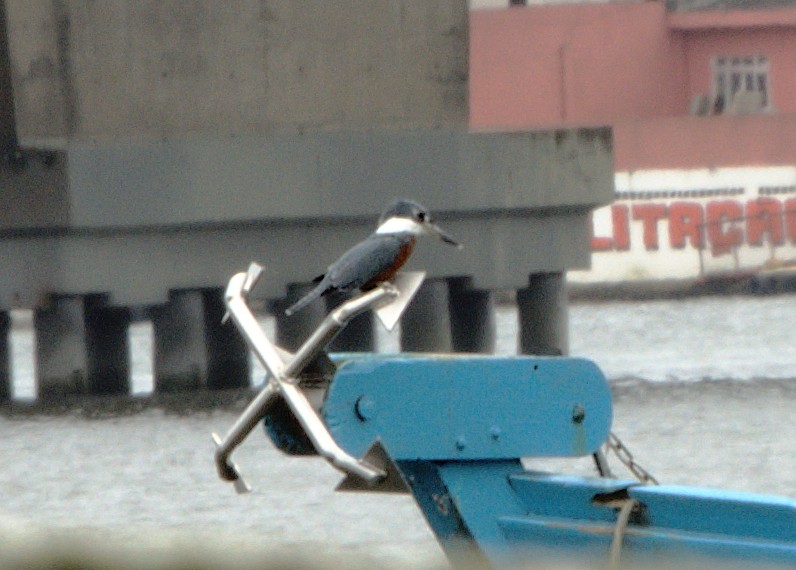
{"x":400,"y":226}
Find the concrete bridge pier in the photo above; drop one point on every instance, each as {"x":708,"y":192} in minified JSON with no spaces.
{"x":472,"y":317}
{"x":5,"y":356}
{"x":291,"y":331}
{"x":81,"y":347}
{"x":108,"y":346}
{"x":193,"y":350}
{"x":448,"y":315}
{"x":426,"y":323}
{"x":542,"y":310}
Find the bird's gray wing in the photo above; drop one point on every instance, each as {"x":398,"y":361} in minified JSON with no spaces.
{"x":364,"y":261}
{"x":355,"y":267}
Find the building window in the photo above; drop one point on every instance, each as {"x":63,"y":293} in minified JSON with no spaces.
{"x":740,"y":84}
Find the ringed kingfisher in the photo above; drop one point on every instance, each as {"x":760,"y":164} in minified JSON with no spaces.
{"x":379,"y":257}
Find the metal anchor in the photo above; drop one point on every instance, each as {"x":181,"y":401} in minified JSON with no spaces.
{"x":389,"y":300}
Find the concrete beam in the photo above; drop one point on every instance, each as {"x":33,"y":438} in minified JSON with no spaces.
{"x":325,"y":177}
{"x":161,"y":201}
{"x":8,"y":124}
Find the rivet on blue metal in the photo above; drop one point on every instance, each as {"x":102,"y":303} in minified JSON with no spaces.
{"x":365,"y":408}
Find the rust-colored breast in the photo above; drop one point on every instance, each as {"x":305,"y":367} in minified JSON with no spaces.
{"x":404,"y":253}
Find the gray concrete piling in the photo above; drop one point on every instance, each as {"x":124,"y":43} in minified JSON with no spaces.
{"x":82,"y":344}
{"x":542,"y":312}
{"x":472,"y":317}
{"x":426,"y":325}
{"x":5,"y":357}
{"x":193,"y":350}
{"x":107,"y":347}
{"x":293,"y":330}
{"x":359,"y":335}
{"x":81,"y":347}
{"x":227,"y":351}
{"x":61,"y":348}
{"x":449,"y":315}
{"x":179,"y":360}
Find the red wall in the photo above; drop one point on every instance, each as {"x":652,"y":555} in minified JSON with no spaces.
{"x":573,"y":64}
{"x":635,"y":68}
{"x":705,"y":142}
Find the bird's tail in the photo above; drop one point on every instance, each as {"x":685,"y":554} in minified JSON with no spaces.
{"x":304,"y":301}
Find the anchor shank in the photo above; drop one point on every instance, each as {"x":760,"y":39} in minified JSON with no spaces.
{"x":334,"y":323}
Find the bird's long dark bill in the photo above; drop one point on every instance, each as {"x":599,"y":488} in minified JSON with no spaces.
{"x":435,"y":229}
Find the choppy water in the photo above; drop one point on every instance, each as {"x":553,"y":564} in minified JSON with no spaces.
{"x":704,"y":394}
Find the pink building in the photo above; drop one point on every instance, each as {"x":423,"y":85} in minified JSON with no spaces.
{"x":703,"y":110}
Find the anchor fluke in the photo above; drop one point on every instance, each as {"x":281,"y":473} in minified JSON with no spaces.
{"x":392,"y":482}
{"x":407,"y":283}
{"x":228,"y":470}
{"x":252,"y":275}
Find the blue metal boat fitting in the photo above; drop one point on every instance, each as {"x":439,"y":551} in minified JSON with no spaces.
{"x":451,"y":430}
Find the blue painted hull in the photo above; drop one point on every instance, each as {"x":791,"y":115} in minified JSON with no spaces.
{"x":455,"y":428}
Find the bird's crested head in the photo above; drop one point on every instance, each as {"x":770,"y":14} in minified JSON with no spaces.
{"x":408,"y":216}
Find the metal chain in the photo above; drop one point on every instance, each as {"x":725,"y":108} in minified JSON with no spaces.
{"x":620,"y":450}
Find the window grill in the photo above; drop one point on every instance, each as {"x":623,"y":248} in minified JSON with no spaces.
{"x":675,"y":194}
{"x":774,"y":190}
{"x":741,"y":84}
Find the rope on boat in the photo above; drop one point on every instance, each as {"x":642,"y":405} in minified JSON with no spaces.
{"x":619,"y":532}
